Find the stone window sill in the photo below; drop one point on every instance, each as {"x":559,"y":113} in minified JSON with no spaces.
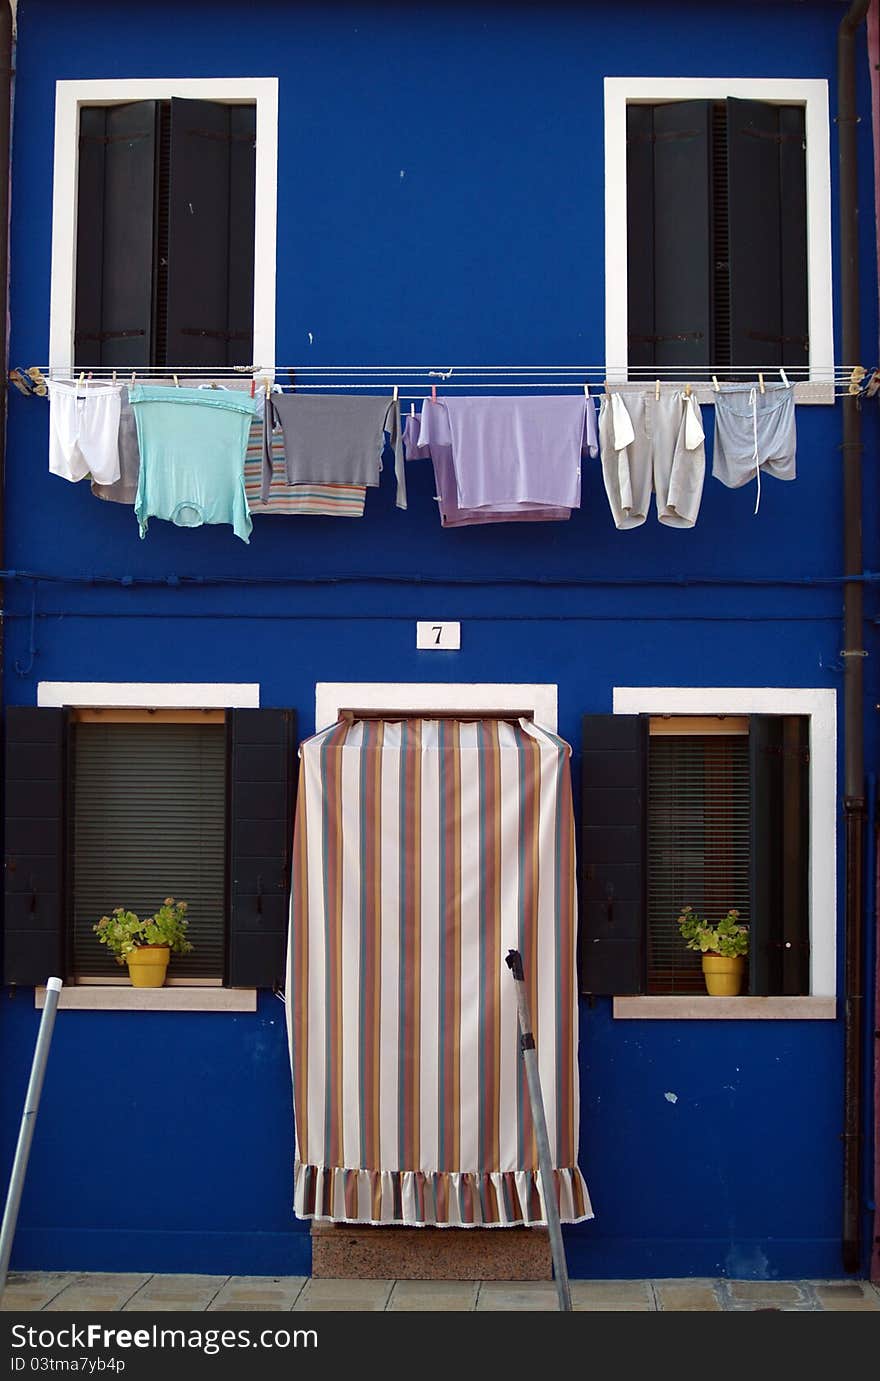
{"x":705,"y":1008}
{"x":104,"y":998}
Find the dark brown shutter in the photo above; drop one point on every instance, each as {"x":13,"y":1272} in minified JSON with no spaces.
{"x":613,"y":853}
{"x":115,"y":234}
{"x":767,"y":208}
{"x":670,"y":259}
{"x":211,"y":233}
{"x":779,"y":951}
{"x":35,"y":779}
{"x":262,"y":760}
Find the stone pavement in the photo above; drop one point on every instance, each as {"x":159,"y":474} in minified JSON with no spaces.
{"x":52,"y":1291}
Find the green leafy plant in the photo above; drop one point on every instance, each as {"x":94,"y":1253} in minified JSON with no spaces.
{"x":124,"y":931}
{"x":727,"y":937}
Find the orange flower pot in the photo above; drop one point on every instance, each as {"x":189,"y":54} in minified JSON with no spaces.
{"x":147,"y":965}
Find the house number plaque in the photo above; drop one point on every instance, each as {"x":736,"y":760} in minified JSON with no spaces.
{"x":438,"y":637}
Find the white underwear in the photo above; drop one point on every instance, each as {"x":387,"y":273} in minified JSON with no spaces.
{"x":84,"y":431}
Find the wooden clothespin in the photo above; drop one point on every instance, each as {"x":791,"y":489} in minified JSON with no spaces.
{"x":412,"y":409}
{"x":586,"y":390}
{"x":114,"y":376}
{"x":268,"y":383}
{"x":784,"y":377}
{"x":433,"y":393}
{"x":396,"y":394}
{"x":133,"y":375}
{"x":761,"y":383}
{"x":176,"y":381}
{"x":715,"y":384}
{"x":657,"y":388}
{"x":687,"y":390}
{"x":82,"y":379}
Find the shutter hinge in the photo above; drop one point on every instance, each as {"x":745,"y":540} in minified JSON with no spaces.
{"x":213,"y":335}
{"x":115,"y":138}
{"x":664,"y":136}
{"x":654,"y":340}
{"x":107,"y":335}
{"x":221,"y":137}
{"x":773,"y":138}
{"x":803,"y":341}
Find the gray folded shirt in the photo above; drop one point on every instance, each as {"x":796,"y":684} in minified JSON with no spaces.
{"x":333,"y":439}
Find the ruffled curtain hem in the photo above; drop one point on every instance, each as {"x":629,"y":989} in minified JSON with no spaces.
{"x":443,"y":1199}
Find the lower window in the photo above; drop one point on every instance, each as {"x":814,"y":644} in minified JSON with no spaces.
{"x":710,"y":812}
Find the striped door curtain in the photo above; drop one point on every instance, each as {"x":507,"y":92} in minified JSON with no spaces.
{"x":423,"y":851}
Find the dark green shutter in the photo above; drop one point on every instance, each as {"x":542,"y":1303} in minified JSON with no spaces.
{"x":115,"y":235}
{"x":148,"y":821}
{"x":613,"y":866}
{"x":34,"y":920}
{"x":767,"y":209}
{"x":669,"y":199}
{"x":262,"y":761}
{"x":211,"y":233}
{"x":779,"y":757}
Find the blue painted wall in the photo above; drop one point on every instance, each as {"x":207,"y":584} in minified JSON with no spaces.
{"x":441,"y":201}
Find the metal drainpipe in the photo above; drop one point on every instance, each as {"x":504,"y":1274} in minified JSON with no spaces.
{"x":6,"y":40}
{"x":853,"y":643}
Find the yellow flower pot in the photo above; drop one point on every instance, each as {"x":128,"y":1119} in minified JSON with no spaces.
{"x":147,"y":965}
{"x":723,"y":976}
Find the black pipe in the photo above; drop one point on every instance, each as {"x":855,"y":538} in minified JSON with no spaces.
{"x":6,"y":41}
{"x":853,"y":643}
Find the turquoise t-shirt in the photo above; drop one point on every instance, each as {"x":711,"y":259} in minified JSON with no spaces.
{"x":192,"y":443}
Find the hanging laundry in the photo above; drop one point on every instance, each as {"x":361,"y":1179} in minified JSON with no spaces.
{"x":312,"y":500}
{"x":435,"y":426}
{"x":124,"y":490}
{"x":754,"y":431}
{"x":334,"y":440}
{"x":192,"y":443}
{"x":84,"y":430}
{"x":412,"y":448}
{"x":517,"y":450}
{"x":652,"y":443}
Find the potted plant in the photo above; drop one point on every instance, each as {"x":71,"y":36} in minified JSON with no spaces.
{"x":145,"y":943}
{"x":724,"y":947}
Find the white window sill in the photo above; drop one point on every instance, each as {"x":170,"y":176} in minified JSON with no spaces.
{"x":704,"y":1008}
{"x":104,"y":998}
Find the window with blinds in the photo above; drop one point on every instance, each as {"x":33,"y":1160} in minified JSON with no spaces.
{"x":149,"y":821}
{"x":699,"y":828}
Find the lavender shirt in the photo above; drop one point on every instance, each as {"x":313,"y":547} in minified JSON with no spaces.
{"x":440,"y":452}
{"x":510,"y":451}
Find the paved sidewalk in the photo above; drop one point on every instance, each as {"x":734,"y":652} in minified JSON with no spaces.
{"x":51,"y":1291}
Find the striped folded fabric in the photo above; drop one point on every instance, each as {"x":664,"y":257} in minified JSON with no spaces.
{"x":315,"y":500}
{"x":423,"y":851}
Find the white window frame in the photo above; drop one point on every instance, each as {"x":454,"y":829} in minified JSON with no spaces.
{"x":812,"y":94}
{"x":148,"y":695}
{"x":820,"y":706}
{"x":69,"y":97}
{"x":409,"y":697}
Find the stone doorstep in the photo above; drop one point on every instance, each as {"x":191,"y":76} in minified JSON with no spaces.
{"x":395,"y":1253}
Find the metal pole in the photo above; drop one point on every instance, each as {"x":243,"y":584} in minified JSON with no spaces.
{"x":530,"y":1059}
{"x":26,"y":1131}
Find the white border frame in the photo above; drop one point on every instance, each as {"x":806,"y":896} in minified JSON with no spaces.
{"x":198,"y":695}
{"x":459,"y":697}
{"x":813,"y":95}
{"x":821,"y":706}
{"x":152,"y":695}
{"x":69,"y":96}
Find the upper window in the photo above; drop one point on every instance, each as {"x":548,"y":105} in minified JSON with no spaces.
{"x":718,"y":229}
{"x":165,"y":234}
{"x":717,"y":234}
{"x":164,"y":223}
